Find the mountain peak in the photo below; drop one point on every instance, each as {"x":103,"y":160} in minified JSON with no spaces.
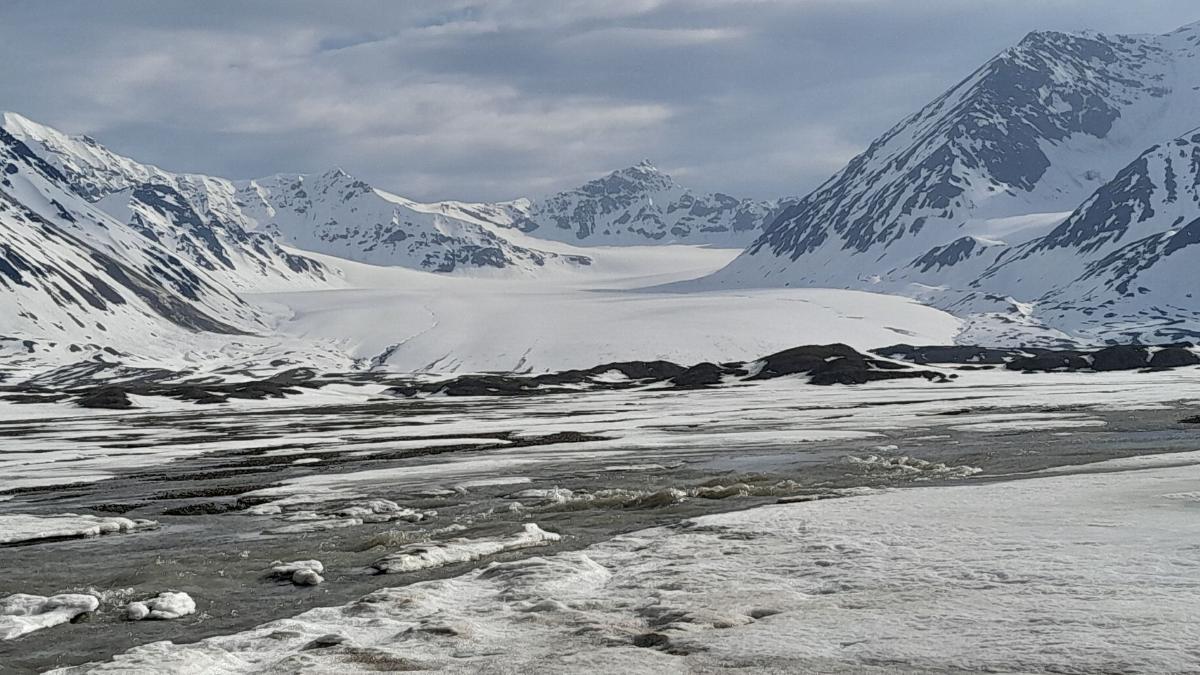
{"x":334,"y":174}
{"x":643,"y":174}
{"x":23,"y":127}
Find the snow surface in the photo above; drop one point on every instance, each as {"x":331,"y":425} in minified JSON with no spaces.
{"x":1081,"y":573}
{"x":409,"y":321}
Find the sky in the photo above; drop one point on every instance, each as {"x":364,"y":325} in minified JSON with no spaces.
{"x":487,"y":100}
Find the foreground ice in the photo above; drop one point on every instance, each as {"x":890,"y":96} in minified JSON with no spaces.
{"x":1083,"y":573}
{"x":22,"y":613}
{"x":642,"y":427}
{"x":17,"y":528}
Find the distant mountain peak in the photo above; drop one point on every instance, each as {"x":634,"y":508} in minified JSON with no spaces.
{"x":336,"y":173}
{"x":642,"y":205}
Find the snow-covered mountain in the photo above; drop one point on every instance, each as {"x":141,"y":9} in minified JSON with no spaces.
{"x":969,"y":194}
{"x":193,"y":216}
{"x":337,"y":214}
{"x":69,"y":272}
{"x":1003,"y":156}
{"x":642,"y":205}
{"x":1125,"y":262}
{"x":235,"y":228}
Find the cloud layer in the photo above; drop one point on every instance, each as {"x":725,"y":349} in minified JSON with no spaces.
{"x":498,"y":99}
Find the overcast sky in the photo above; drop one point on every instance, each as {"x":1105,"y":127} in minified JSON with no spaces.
{"x":491,"y":100}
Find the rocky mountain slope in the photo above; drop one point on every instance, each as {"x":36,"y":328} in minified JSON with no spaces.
{"x":193,"y":216}
{"x":641,"y":205}
{"x":70,"y":272}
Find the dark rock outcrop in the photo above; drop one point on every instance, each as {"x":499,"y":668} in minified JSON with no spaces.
{"x":700,"y":376}
{"x":112,"y":398}
{"x":1051,"y":361}
{"x":836,"y":364}
{"x":1174,"y":357}
{"x":824,"y":364}
{"x":1121,"y":357}
{"x":953,"y":354}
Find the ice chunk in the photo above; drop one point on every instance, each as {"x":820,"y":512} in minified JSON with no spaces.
{"x":285,"y":570}
{"x":164,"y":607}
{"x":315,"y":526}
{"x":306,"y":578}
{"x":903,"y":466}
{"x":544,"y":495}
{"x":436,"y":554}
{"x":350,"y":515}
{"x":18,"y":528}
{"x":136,"y":611}
{"x":299,"y":572}
{"x":23,"y":613}
{"x":382,"y":511}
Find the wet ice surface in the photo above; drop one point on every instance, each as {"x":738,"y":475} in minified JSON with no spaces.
{"x":219,"y":481}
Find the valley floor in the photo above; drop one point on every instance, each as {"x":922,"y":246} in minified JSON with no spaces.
{"x":901,"y":525}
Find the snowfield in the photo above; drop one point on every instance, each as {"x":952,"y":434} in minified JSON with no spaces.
{"x":1085,"y":573}
{"x":408,"y":321}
